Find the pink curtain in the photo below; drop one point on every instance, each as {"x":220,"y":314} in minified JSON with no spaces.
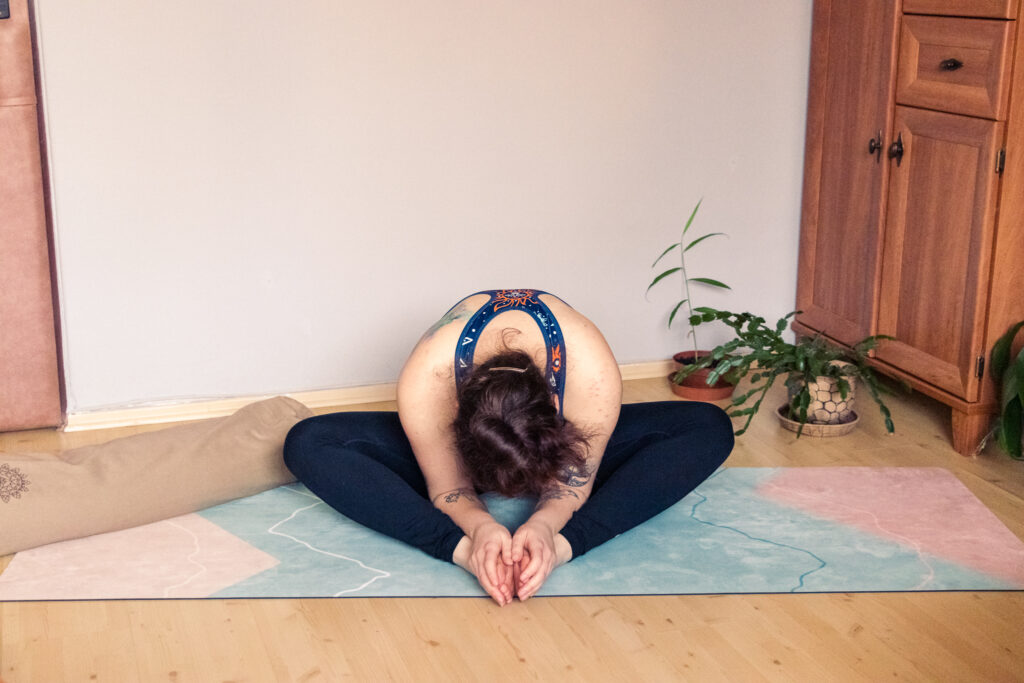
{"x":29,"y":377}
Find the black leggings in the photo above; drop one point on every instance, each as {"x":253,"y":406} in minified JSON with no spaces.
{"x":361,"y":464}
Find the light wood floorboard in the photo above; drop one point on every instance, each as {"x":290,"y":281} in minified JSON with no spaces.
{"x":955,"y":636}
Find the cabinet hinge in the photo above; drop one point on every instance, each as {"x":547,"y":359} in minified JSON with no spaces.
{"x":979,"y":367}
{"x":1001,"y":161}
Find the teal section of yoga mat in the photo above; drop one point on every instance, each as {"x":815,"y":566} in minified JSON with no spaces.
{"x":722,"y":538}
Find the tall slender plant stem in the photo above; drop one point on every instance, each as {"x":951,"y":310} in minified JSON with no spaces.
{"x":686,"y":286}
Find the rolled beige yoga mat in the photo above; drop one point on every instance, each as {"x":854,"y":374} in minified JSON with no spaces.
{"x":50,"y":497}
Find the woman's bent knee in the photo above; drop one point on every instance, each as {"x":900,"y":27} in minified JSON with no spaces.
{"x":719,"y":426}
{"x":708,"y":425}
{"x":301,"y":444}
{"x":685,"y":416}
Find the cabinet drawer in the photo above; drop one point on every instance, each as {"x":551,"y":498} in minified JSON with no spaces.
{"x":955,"y":65}
{"x":994,"y":9}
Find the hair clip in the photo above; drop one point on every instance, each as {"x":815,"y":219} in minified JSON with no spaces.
{"x":507,"y":368}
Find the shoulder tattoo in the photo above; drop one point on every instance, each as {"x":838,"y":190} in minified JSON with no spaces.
{"x":451,"y":316}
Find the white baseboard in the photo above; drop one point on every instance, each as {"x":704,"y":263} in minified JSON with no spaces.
{"x":200,"y":410}
{"x":657,"y":368}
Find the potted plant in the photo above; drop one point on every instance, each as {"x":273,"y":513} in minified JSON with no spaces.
{"x":1009,"y":374}
{"x":809,"y":366}
{"x":693,"y":384}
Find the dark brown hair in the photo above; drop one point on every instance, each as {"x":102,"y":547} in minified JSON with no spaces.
{"x":508,"y":432}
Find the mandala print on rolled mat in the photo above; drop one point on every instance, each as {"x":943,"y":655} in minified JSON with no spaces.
{"x":12,"y":483}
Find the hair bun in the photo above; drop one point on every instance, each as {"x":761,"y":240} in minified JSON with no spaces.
{"x":508,"y":433}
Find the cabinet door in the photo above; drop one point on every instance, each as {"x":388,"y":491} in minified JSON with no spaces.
{"x":938,"y":245}
{"x":849,"y":103}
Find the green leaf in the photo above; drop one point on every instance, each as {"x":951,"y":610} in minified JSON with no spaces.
{"x":672,"y":315}
{"x":805,"y":402}
{"x":889,"y":426}
{"x":689,"y":221}
{"x":1018,"y":373}
{"x":1011,"y":388}
{"x":740,"y":400}
{"x":1000,"y":357}
{"x":664,"y":253}
{"x":722,"y":368}
{"x":844,"y":387}
{"x":709,"y":281}
{"x":663,"y":276}
{"x":1010,"y":430}
{"x":697,"y":241}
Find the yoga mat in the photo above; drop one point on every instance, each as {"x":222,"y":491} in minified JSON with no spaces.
{"x":745,"y":530}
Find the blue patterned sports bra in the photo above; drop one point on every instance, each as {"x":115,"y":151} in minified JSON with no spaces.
{"x":528,"y":301}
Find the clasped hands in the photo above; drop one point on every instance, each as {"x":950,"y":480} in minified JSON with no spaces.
{"x":512,"y":565}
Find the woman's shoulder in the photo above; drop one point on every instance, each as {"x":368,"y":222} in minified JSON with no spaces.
{"x":432,"y":356}
{"x":451,"y":323}
{"x":575,"y":325}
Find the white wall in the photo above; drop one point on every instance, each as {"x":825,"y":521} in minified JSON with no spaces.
{"x":267,"y":197}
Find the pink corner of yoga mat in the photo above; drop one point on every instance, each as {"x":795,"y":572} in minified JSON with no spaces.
{"x":917,"y":512}
{"x":187,"y":556}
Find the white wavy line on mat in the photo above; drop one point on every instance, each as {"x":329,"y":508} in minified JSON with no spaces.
{"x":273,"y":530}
{"x":301,"y":492}
{"x":878,"y":525}
{"x":190,"y":558}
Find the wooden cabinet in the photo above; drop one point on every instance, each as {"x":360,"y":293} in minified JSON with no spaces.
{"x":913,"y":207}
{"x":852,"y":92}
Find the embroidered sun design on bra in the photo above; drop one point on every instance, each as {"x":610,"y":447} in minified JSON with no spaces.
{"x":512,"y":298}
{"x":12,"y":483}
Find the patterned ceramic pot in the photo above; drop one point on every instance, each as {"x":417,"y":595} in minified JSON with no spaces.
{"x":812,"y":429}
{"x":827,"y":404}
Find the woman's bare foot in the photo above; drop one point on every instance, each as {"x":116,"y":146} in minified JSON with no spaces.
{"x":503,"y":592}
{"x":563,"y":551}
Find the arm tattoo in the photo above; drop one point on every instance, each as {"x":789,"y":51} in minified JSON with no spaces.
{"x":575,"y":476}
{"x":454,"y":496}
{"x":451,"y":316}
{"x":555,"y":494}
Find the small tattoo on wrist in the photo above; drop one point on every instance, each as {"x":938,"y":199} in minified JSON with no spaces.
{"x":454,"y":496}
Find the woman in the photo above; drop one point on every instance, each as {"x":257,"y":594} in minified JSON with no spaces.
{"x":529,"y":405}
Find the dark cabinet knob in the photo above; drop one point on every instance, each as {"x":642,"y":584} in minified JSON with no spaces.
{"x":950,"y":64}
{"x":896,"y":149}
{"x":875,"y":146}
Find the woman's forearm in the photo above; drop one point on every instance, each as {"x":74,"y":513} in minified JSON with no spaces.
{"x":557,"y":505}
{"x":465,"y":508}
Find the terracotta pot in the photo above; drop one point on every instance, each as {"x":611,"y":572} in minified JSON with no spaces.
{"x":814,"y":429}
{"x":695,"y":387}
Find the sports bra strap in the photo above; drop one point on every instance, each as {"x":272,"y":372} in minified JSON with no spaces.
{"x":528,"y":301}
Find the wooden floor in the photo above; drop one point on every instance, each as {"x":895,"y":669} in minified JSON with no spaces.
{"x":837,"y":637}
